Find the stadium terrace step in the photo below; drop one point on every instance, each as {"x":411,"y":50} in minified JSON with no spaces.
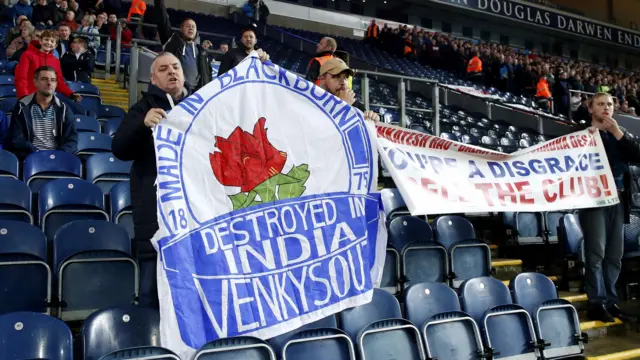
{"x":598,"y":329}
{"x":112,"y":94}
{"x":614,"y":347}
{"x":506,"y":269}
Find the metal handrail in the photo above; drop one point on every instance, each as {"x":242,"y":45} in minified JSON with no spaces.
{"x":403,"y":81}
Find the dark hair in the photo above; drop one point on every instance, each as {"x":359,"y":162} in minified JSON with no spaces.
{"x":44,"y":68}
{"x":224,"y":43}
{"x":185,"y":20}
{"x":249,"y":28}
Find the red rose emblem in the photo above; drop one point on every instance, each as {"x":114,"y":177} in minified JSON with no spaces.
{"x":246,"y":160}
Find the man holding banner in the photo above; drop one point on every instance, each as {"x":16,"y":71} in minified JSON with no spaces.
{"x":134,"y":142}
{"x":603,"y":226}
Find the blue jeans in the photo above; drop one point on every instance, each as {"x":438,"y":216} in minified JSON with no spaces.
{"x":603,"y":247}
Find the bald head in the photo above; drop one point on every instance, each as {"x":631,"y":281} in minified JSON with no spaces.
{"x":166,"y":74}
{"x":327,"y":44}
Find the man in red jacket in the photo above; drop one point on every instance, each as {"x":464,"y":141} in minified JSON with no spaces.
{"x":40,"y":53}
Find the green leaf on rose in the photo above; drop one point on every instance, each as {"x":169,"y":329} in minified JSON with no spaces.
{"x":267,"y":189}
{"x":243,"y":200}
{"x":297,"y":188}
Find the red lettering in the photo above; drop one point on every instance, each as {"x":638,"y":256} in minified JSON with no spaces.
{"x":485,"y":187}
{"x":547,"y":184}
{"x":592,"y":187}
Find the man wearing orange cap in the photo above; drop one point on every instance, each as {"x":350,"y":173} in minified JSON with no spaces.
{"x":334,"y":77}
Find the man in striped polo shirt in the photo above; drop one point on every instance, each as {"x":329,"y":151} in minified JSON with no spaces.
{"x":41,"y":121}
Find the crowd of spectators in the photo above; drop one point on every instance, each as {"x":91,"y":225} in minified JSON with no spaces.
{"x":510,"y":70}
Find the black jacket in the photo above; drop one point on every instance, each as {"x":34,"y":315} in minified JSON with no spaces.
{"x":232,"y":58}
{"x":314,"y":66}
{"x":176,"y":44}
{"x":21,"y":128}
{"x":56,"y":13}
{"x":134,"y":142}
{"x":42,"y":14}
{"x":77,"y":68}
{"x":630,"y":149}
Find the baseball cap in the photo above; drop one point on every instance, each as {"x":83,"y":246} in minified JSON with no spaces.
{"x":335,"y":66}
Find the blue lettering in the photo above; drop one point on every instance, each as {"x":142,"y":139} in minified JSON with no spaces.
{"x":171,"y":190}
{"x":253,"y":66}
{"x":265,"y":71}
{"x":189,"y":104}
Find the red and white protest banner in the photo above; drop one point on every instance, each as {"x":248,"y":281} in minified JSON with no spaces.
{"x":438,"y":176}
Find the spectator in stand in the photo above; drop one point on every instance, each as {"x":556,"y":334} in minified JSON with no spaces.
{"x":77,"y":64}
{"x":70,"y":20}
{"x":41,"y":121}
{"x":474,"y":68}
{"x":184,"y":45}
{"x":125,"y":37}
{"x":324,"y":52}
{"x":22,"y":8}
{"x":603,"y":226}
{"x":224,"y":47}
{"x":19,"y":43}
{"x":372,"y":33}
{"x":136,"y":13}
{"x":75,"y":6}
{"x":134,"y":142}
{"x":88,"y":28}
{"x":64,"y":38}
{"x":59,"y":10}
{"x":40,"y":53}
{"x":234,"y":56}
{"x":561,"y":95}
{"x":334,"y":75}
{"x":16,"y":31}
{"x":102,"y":25}
{"x":250,"y":9}
{"x":543,"y":94}
{"x":42,"y":14}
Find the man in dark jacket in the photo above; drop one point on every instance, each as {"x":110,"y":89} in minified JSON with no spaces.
{"x":41,"y":121}
{"x":77,"y":64}
{"x":184,"y":44}
{"x":324,"y":51}
{"x":603,"y":226}
{"x":234,"y":56}
{"x":134,"y":142}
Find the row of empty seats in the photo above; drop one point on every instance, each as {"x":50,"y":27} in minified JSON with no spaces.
{"x":487,"y":319}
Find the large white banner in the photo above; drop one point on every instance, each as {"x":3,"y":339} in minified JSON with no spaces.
{"x":438,"y":176}
{"x":267,"y":205}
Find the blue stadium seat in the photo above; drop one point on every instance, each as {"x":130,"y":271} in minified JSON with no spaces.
{"x":390,"y":281}
{"x":109,"y":330}
{"x":240,"y":347}
{"x":15,"y":200}
{"x":529,"y":228}
{"x":556,"y":320}
{"x":468,"y":257}
{"x":379,"y":330}
{"x":9,"y":164}
{"x":7,"y":92}
{"x":393,"y":203}
{"x":7,"y":105}
{"x":91,"y":103}
{"x":631,"y":236}
{"x":319,"y":344}
{"x":30,"y":335}
{"x":277,"y":343}
{"x":552,"y":221}
{"x":43,"y":166}
{"x":424,"y":300}
{"x":507,"y":328}
{"x":86,"y":123}
{"x":65,"y":200}
{"x":121,"y":213}
{"x":83,"y":88}
{"x":406,"y":229}
{"x":424,"y":261}
{"x":23,"y":255}
{"x":105,"y":170}
{"x":92,"y":143}
{"x":142,"y":353}
{"x":7,"y":80}
{"x":110,"y":111}
{"x":111,"y":126}
{"x":94,"y":268}
{"x":453,"y":335}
